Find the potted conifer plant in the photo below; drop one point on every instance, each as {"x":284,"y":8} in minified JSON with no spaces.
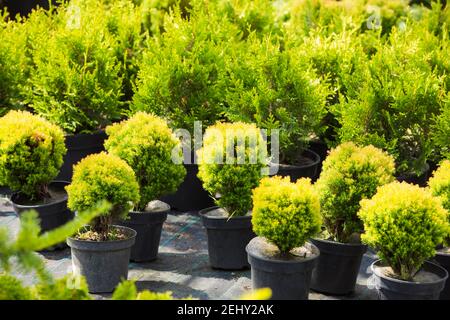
{"x":75,"y":83}
{"x":146,"y":143}
{"x":405,"y":224}
{"x":285,"y":215}
{"x":101,"y":251}
{"x":31,"y":153}
{"x":350,"y":174}
{"x":232,"y":160}
{"x":439,"y":185}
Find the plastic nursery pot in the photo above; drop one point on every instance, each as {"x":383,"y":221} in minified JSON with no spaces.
{"x":321,"y":148}
{"x":148,"y":226}
{"x":338,"y":266}
{"x":308,"y":170}
{"x":428,"y":288}
{"x":227,"y":238}
{"x":103,"y":263}
{"x":289,"y":277}
{"x":190,"y":195}
{"x":443,"y":259}
{"x":5,"y":191}
{"x":78,"y":147}
{"x":52,"y":214}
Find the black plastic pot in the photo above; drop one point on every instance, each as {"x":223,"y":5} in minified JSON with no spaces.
{"x":103,"y":263}
{"x":338,"y":267}
{"x":321,"y":149}
{"x":5,"y":191}
{"x":443,"y":259}
{"x":51,"y":215}
{"x":420,"y":180}
{"x":306,"y":171}
{"x":190,"y":195}
{"x":289,"y":279}
{"x":395,"y":289}
{"x":227,"y":238}
{"x":148,"y":226}
{"x":78,"y":147}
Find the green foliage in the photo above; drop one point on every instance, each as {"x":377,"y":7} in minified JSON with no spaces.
{"x":31,"y":153}
{"x":146,"y":143}
{"x":404,"y":223}
{"x":13,"y":66}
{"x":231,"y":163}
{"x":75,"y":80}
{"x":12,"y":288}
{"x":350,"y":174}
{"x":70,"y":287}
{"x":395,"y":108}
{"x":126,"y":290}
{"x":439,"y":183}
{"x":19,"y":254}
{"x":275,"y":89}
{"x":441,"y":132}
{"x":122,"y":22}
{"x":287,"y":214}
{"x":99,"y":177}
{"x":182,"y":73}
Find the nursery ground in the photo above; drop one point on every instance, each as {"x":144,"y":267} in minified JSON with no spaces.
{"x":182,"y":266}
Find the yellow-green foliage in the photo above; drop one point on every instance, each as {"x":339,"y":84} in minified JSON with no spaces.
{"x":127,"y":290}
{"x":286,"y":213}
{"x":230,"y":164}
{"x":146,"y":142}
{"x":103,"y":177}
{"x":404,"y":223}
{"x":12,"y":288}
{"x":439,"y":183}
{"x":31,"y":153}
{"x":70,"y":287}
{"x":350,"y":173}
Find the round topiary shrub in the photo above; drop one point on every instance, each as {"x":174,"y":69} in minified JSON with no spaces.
{"x":146,"y":143}
{"x":31,"y":153}
{"x":404,"y":223}
{"x":439,"y":183}
{"x":286,"y":213}
{"x":350,"y":174}
{"x":231,"y":162}
{"x":103,"y":177}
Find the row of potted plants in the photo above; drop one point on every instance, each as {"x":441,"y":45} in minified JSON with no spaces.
{"x":94,"y":62}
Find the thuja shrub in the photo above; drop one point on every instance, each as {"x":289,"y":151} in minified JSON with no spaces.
{"x":286,"y":214}
{"x":146,"y":143}
{"x":396,"y":107}
{"x":404,"y":223}
{"x":122,"y":21}
{"x":276,"y":89}
{"x":231,"y":163}
{"x":13,"y":65}
{"x":441,"y":132}
{"x":31,"y":153}
{"x":439,"y":183}
{"x":350,"y":174}
{"x":103,"y":177}
{"x":182,"y":73}
{"x":75,"y":80}
{"x":12,"y":288}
